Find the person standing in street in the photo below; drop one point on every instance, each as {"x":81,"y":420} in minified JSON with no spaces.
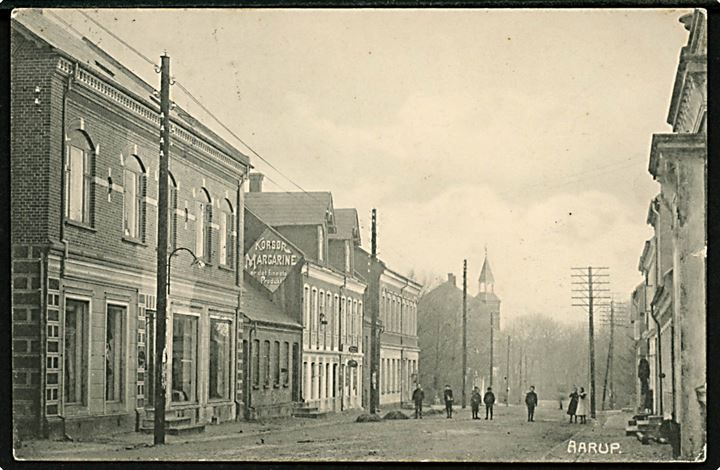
{"x":418,"y":397}
{"x":489,"y":400}
{"x":582,"y":407}
{"x":448,"y":396}
{"x":573,"y":405}
{"x":475,"y":400}
{"x":531,"y":400}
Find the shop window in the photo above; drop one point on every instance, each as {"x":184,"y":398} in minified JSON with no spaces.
{"x":220,"y":357}
{"x":76,"y":351}
{"x":115,"y":352}
{"x":134,"y":186}
{"x":78,"y":178}
{"x":184,"y":358}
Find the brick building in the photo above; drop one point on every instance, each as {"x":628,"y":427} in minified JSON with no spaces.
{"x":329,"y":300}
{"x":84,"y":167}
{"x":671,"y":303}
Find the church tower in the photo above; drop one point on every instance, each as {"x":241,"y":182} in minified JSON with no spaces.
{"x":489,"y":301}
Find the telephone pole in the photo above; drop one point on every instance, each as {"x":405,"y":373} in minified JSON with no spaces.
{"x":507,"y":374}
{"x":162,"y":254}
{"x":374,"y":307}
{"x":608,"y":366}
{"x":588,"y":295}
{"x":464,"y":336}
{"x":492,"y":344}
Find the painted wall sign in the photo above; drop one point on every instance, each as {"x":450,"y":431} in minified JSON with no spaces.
{"x":270,"y":259}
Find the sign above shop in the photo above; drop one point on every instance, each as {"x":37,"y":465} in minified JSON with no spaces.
{"x":270,"y":259}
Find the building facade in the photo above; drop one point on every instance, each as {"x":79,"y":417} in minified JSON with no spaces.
{"x":329,"y":300}
{"x":674,"y":261}
{"x":84,"y":167}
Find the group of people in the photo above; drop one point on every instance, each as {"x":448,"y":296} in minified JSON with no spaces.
{"x":531,"y":401}
{"x":578,"y":406}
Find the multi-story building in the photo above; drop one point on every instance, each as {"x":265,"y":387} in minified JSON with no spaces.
{"x":397,"y":298}
{"x":673,"y":261}
{"x":330,"y":300}
{"x":84,"y":166}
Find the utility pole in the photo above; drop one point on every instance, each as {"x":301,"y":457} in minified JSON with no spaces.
{"x":375,"y":336}
{"x":588,"y":298}
{"x":492,"y":344}
{"x":608,"y":366}
{"x":162,"y":254}
{"x":464,"y":336}
{"x":507,"y":374}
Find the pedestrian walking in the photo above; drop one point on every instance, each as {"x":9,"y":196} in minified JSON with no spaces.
{"x":531,"y":400}
{"x":418,"y":397}
{"x":573,"y":405}
{"x":582,"y":407}
{"x":489,"y":400}
{"x":448,"y":396}
{"x":475,"y":400}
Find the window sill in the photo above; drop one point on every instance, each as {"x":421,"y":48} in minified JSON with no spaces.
{"x":133,"y":241}
{"x":256,"y":387}
{"x":276,"y":385}
{"x":80,"y":225}
{"x":266,"y":386}
{"x":225,"y":267}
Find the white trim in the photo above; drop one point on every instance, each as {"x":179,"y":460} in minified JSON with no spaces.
{"x":335,"y":279}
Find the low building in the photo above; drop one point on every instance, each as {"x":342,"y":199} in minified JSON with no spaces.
{"x":84,"y":166}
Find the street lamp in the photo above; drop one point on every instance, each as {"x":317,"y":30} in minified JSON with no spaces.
{"x":196,"y":261}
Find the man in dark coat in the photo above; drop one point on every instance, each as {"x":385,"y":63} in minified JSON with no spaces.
{"x":531,"y":400}
{"x":448,"y":396}
{"x":475,"y":400}
{"x":572,"y":406}
{"x":418,"y":397}
{"x":489,"y":400}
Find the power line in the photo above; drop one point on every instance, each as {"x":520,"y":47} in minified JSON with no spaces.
{"x":117,"y":38}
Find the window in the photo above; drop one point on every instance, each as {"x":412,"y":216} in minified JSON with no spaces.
{"x":203,"y":227}
{"x":256,"y":362}
{"x":172,"y":212}
{"x":306,"y":307}
{"x":276,"y":363}
{"x":76,"y":350}
{"x":347,"y":256}
{"x":227,"y":240}
{"x":184,"y":358}
{"x":343,"y":313}
{"x":314,"y":312}
{"x":266,"y":362}
{"x":321,"y":243}
{"x":285,"y":363}
{"x":220,"y":357}
{"x":115,"y":352}
{"x":348,"y":317}
{"x":78,"y":178}
{"x":134,"y":185}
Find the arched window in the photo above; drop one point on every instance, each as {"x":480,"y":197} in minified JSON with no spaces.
{"x":203,"y":227}
{"x":227,"y":238}
{"x":134,"y":186}
{"x":78,"y":177}
{"x":172,"y":212}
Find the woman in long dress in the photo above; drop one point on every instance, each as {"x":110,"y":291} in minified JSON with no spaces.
{"x":572,"y":406}
{"x":582,"y":405}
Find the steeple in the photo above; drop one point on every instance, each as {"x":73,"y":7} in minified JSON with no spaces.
{"x":486,"y":279}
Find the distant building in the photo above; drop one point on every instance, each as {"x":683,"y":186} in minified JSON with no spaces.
{"x":84,"y":166}
{"x":671,"y":304}
{"x":329,"y":300}
{"x":440,"y":333}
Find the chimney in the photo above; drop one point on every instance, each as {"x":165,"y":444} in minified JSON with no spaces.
{"x":451,"y":278}
{"x":256,"y":182}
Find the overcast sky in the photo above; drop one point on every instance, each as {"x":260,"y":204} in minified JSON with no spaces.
{"x":526,"y":131}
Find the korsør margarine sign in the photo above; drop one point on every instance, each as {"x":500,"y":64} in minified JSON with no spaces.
{"x":270,"y":259}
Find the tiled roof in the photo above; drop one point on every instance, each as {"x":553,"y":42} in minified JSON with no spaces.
{"x":290,"y":208}
{"x":46,"y":27}
{"x":258,"y":307}
{"x":348,"y":227}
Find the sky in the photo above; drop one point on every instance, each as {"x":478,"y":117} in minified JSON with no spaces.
{"x":526,"y":132}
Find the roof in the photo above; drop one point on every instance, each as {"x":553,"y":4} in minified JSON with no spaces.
{"x":290,"y":208}
{"x":347,"y":224}
{"x":90,"y":56}
{"x":486,"y":274}
{"x":258,"y":307}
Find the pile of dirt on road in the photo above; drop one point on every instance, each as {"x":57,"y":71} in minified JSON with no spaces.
{"x":395,"y":415}
{"x":368,"y":418}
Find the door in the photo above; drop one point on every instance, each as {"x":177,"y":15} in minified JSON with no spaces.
{"x":296,"y":372}
{"x":247,"y":377}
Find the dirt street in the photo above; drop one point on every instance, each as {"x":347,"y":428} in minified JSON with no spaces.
{"x":508,"y":437}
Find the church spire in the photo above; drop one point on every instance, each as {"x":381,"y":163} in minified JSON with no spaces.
{"x":486,"y":279}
